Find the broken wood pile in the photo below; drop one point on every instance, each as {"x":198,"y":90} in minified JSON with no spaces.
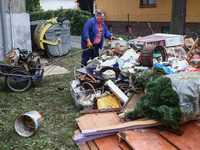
{"x":105,"y":130}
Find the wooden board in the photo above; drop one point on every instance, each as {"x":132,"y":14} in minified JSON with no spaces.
{"x":125,"y":146}
{"x":147,"y":123}
{"x":96,"y":120}
{"x":91,"y":121}
{"x":197,"y":122}
{"x":110,"y":143}
{"x":92,"y":145}
{"x":149,"y":140}
{"x":131,"y":103}
{"x":189,"y":140}
{"x":83,"y":145}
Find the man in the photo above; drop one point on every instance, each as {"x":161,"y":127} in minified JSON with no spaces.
{"x":93,"y":34}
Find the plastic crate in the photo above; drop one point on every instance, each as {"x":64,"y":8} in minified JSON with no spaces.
{"x":78,"y":92}
{"x":75,"y":98}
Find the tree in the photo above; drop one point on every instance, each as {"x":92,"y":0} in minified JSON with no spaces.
{"x":178,"y":15}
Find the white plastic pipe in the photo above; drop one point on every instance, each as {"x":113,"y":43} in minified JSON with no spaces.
{"x":116,"y":91}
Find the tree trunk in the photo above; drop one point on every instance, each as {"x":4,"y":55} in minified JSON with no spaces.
{"x":178,"y":15}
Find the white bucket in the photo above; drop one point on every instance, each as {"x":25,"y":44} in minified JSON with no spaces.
{"x":28,"y":123}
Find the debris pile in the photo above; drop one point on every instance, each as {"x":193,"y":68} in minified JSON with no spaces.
{"x":22,"y":57}
{"x":140,"y":88}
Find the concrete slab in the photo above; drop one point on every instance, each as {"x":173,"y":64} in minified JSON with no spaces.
{"x":54,"y":70}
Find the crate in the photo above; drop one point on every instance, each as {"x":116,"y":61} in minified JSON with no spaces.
{"x":78,"y":93}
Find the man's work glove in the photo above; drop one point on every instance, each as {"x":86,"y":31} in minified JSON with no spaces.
{"x":89,"y":45}
{"x":113,"y":38}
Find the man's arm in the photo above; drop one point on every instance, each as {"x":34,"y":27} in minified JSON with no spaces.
{"x":86,"y":29}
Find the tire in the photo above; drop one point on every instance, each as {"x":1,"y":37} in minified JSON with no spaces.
{"x":22,"y":84}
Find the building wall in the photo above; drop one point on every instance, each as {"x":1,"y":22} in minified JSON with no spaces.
{"x":117,"y":10}
{"x":193,"y":11}
{"x":17,"y":6}
{"x":17,"y":27}
{"x":57,"y":4}
{"x":160,"y":16}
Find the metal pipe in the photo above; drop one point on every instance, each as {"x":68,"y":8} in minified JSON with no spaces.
{"x":3,"y":22}
{"x":11,"y":24}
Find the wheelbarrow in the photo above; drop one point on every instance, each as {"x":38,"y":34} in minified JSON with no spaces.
{"x":17,"y":78}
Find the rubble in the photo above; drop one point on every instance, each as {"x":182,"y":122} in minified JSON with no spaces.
{"x":118,"y":73}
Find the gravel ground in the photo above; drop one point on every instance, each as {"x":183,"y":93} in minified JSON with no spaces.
{"x":76,"y":41}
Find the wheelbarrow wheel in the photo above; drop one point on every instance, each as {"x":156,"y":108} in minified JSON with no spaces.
{"x":19,"y":80}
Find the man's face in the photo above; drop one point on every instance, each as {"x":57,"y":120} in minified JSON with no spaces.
{"x":100,"y":18}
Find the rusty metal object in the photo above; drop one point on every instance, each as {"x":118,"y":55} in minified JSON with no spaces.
{"x":147,"y":55}
{"x":87,"y":78}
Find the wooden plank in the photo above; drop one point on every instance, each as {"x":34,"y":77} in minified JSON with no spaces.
{"x":83,"y":145}
{"x":91,"y":134}
{"x":175,"y":131}
{"x":189,"y":140}
{"x":100,"y":110}
{"x":91,"y":121}
{"x":110,"y":143}
{"x":82,"y":138}
{"x":129,"y":124}
{"x":125,"y":146}
{"x":120,"y":127}
{"x":190,"y":42}
{"x":197,"y":122}
{"x":147,"y":140}
{"x":192,"y":48}
{"x":131,"y":103}
{"x":96,"y":120}
{"x":92,"y":145}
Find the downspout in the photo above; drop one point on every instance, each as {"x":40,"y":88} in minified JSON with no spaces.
{"x":4,"y":33}
{"x":11,"y":24}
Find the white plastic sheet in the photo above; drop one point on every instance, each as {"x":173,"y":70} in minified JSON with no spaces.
{"x":187,"y":85}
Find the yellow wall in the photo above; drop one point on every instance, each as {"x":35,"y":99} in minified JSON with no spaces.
{"x":117,"y":10}
{"x":193,"y":11}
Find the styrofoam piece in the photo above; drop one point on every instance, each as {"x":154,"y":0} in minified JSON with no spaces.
{"x":117,"y":91}
{"x":114,"y":43}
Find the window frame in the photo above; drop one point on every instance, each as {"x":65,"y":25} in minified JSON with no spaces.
{"x":147,"y":4}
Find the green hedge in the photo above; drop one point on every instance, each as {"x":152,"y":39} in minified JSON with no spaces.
{"x":33,"y":5}
{"x":76,"y":17}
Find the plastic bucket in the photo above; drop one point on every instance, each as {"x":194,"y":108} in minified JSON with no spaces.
{"x":28,"y":123}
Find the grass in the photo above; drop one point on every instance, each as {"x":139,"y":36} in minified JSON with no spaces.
{"x":57,"y":109}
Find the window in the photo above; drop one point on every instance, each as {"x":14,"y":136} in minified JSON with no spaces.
{"x":147,"y":3}
{"x":165,"y":30}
